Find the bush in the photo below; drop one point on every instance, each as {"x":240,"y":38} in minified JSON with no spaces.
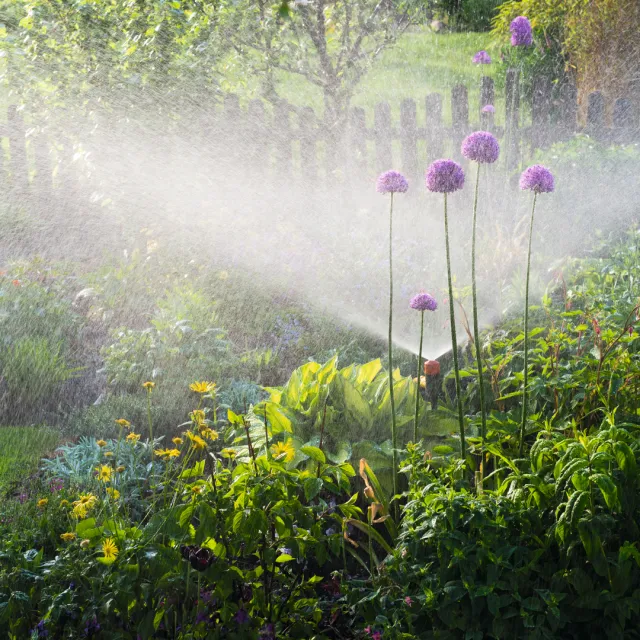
{"x":467,"y":15}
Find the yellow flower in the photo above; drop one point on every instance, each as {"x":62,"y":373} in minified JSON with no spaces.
{"x":284,"y":451}
{"x":203,"y":387}
{"x":210,"y":434}
{"x":43,"y":502}
{"x":104,"y":472}
{"x":196,"y":489}
{"x":160,"y":452}
{"x":119,"y":469}
{"x":229,"y":453}
{"x":83,"y":504}
{"x":109,"y":549}
{"x":177,"y":441}
{"x":198,"y":416}
{"x":64,"y":503}
{"x":80,"y":511}
{"x":172,"y":453}
{"x":85,"y":544}
{"x":68,"y":537}
{"x":123,"y":423}
{"x":133,"y":437}
{"x":108,"y":454}
{"x":114,"y":493}
{"x":148,"y":385}
{"x":196,"y":441}
{"x":101,"y":443}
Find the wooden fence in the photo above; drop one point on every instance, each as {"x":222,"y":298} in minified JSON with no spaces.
{"x":293,"y":141}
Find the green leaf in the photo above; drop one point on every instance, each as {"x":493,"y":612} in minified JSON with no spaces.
{"x":186,"y":515}
{"x":312,"y":487}
{"x":314,"y":453}
{"x":284,"y":557}
{"x":196,"y":470}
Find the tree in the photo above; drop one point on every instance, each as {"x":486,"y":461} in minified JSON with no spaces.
{"x":331,"y":43}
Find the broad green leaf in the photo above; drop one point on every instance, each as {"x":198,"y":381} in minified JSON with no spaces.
{"x":314,"y":453}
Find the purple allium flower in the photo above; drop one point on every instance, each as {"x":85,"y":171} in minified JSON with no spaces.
{"x":391,"y":182}
{"x":444,"y":176}
{"x":521,"y":33}
{"x":537,"y":178}
{"x":488,"y":108}
{"x":482,"y":57}
{"x":423,"y":302}
{"x":481,"y":146}
{"x":41,"y":630}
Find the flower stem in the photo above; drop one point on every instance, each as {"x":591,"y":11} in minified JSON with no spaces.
{"x":525,"y":397}
{"x":394,"y":435}
{"x":415,"y":422}
{"x":476,"y":332}
{"x":454,"y":340}
{"x":149,"y":419}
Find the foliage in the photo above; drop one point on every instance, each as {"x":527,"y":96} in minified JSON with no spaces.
{"x":201,"y":546}
{"x":551,"y":553}
{"x":466,"y":15}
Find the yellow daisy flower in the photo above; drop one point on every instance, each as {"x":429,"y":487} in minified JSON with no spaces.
{"x":177,"y":441}
{"x":148,"y":385}
{"x":114,"y":493}
{"x":172,"y":453}
{"x":119,"y":469}
{"x":284,"y":451}
{"x":68,"y":537}
{"x":203,"y":387}
{"x":109,"y":549}
{"x":198,"y":416}
{"x":101,"y":443}
{"x":161,"y":453}
{"x":108,"y":454}
{"x":64,"y":503}
{"x":196,"y":441}
{"x":43,"y":503}
{"x":104,"y":472}
{"x":123,"y":423}
{"x":196,"y":489}
{"x":133,"y":437}
{"x":210,"y":434}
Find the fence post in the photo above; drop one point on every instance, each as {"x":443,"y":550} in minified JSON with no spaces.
{"x":358,"y":141}
{"x":382,"y":134}
{"x":308,"y":138}
{"x":282,"y":126}
{"x":540,"y":112}
{"x":433,"y":130}
{"x":18,"y":150}
{"x":512,"y":119}
{"x":595,"y":115}
{"x":408,"y":138}
{"x":487,"y":96}
{"x":459,"y":112}
{"x":624,"y":121}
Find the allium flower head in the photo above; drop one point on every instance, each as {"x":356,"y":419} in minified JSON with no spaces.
{"x":391,"y":182}
{"x":423,"y":302}
{"x":482,"y":57}
{"x":488,"y":108}
{"x":444,"y":176}
{"x":481,"y":146}
{"x":521,"y":33}
{"x":537,"y":178}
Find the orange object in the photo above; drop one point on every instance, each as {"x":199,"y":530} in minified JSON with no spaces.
{"x":431,"y":368}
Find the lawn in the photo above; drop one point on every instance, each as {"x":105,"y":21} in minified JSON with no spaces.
{"x":422,"y":62}
{"x":21,"y":449}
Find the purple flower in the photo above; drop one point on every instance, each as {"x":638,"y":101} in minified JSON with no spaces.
{"x":444,"y":176}
{"x":423,"y":302}
{"x":92,"y":627}
{"x":481,"y":146}
{"x":537,"y":178}
{"x":391,"y":182}
{"x":241,"y":617}
{"x":488,"y":108}
{"x":268,"y":631}
{"x":41,"y":630}
{"x":482,"y":57}
{"x":521,"y":34}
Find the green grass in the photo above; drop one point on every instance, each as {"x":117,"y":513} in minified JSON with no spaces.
{"x":420,"y":63}
{"x":21,"y":449}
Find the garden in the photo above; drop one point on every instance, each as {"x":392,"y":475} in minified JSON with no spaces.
{"x":283,"y":355}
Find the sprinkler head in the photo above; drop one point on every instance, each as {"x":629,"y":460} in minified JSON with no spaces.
{"x":431,"y":368}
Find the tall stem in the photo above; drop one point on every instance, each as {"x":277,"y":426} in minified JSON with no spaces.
{"x":525,"y":396}
{"x":415,"y":422}
{"x":454,"y":340}
{"x":149,"y":419}
{"x":476,"y":332}
{"x":394,"y":435}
